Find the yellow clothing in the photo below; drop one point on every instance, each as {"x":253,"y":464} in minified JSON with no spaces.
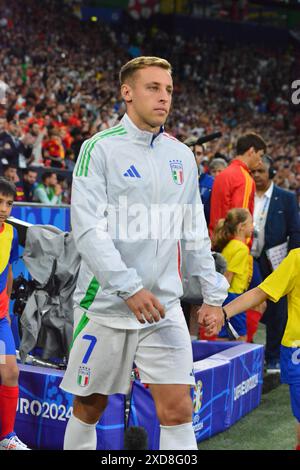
{"x":240,"y":262}
{"x":285,"y":280}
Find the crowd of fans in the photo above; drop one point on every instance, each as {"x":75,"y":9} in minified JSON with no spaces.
{"x":62,"y":77}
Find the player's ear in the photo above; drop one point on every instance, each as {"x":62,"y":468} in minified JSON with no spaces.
{"x":126,"y":92}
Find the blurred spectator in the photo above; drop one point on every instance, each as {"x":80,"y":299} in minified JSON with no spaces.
{"x":38,"y":136}
{"x":276,"y":221}
{"x":29,"y":184}
{"x":234,"y":186}
{"x":70,"y":160}
{"x":49,"y":191}
{"x":10,"y":172}
{"x":77,"y":142}
{"x":54,"y":151}
{"x":216,"y":165}
{"x":205,"y":180}
{"x":12,"y":149}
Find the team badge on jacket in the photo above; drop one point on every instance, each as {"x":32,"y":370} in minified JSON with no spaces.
{"x":84,"y":374}
{"x":177,"y":171}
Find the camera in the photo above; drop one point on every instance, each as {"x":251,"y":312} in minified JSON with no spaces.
{"x":21,"y":290}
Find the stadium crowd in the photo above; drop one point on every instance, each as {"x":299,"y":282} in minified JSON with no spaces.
{"x":63,"y":87}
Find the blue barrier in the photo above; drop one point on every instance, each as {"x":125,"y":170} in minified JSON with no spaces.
{"x":228,"y":379}
{"x":44,"y":409}
{"x":228,"y":386}
{"x":59,"y":216}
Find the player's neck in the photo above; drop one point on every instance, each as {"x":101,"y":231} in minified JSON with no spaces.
{"x":142,"y":125}
{"x":241,"y":237}
{"x":1,"y":227}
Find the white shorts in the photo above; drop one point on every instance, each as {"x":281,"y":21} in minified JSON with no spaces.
{"x":101,"y":358}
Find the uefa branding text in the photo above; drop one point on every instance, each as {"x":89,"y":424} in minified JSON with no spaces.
{"x":44,"y":409}
{"x":245,"y":387}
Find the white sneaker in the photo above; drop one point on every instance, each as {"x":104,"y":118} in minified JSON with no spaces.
{"x":13,"y":443}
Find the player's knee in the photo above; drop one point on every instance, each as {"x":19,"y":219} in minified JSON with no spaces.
{"x":89,"y":409}
{"x":10,"y":376}
{"x":175,"y":412}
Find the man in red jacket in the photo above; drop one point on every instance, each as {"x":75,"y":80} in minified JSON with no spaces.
{"x":235,"y":187}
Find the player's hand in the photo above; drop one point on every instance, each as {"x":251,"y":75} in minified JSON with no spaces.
{"x":145,"y":306}
{"x":211,"y":318}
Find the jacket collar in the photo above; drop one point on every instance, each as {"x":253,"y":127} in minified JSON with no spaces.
{"x":138,"y":135}
{"x":238,"y":162}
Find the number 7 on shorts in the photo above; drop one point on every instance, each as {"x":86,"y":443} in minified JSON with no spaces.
{"x":93,"y":341}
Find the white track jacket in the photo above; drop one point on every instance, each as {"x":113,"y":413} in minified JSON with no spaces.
{"x":137,"y":218}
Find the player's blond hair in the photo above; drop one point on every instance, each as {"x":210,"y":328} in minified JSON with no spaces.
{"x":130,"y":68}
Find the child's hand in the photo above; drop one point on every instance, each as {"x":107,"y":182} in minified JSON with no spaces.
{"x":211,"y":318}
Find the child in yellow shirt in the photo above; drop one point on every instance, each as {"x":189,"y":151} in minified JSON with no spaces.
{"x":230,"y":238}
{"x":285,"y":280}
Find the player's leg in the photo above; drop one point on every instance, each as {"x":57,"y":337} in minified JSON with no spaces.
{"x":99,"y":365}
{"x":165,"y":362}
{"x":81,"y":428}
{"x":9,"y":390}
{"x":174,"y":410}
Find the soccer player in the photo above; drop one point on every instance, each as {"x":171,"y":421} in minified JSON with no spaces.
{"x":234,"y":186}
{"x":127,"y":296}
{"x":9,"y":371}
{"x":285,"y":280}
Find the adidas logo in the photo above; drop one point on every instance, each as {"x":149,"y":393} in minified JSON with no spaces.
{"x":132,"y":172}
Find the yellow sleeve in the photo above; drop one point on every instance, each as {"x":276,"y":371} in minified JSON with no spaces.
{"x":238,"y":262}
{"x":282,"y":281}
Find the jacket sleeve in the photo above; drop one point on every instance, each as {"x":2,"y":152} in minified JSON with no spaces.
{"x":293,"y":221}
{"x":89,"y":218}
{"x":220,"y":202}
{"x":197,"y":259}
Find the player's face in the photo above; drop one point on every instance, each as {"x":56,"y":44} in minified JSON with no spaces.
{"x":6,"y":203}
{"x":31,"y":177}
{"x":199,"y":154}
{"x":256,"y":157}
{"x":148,"y":97}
